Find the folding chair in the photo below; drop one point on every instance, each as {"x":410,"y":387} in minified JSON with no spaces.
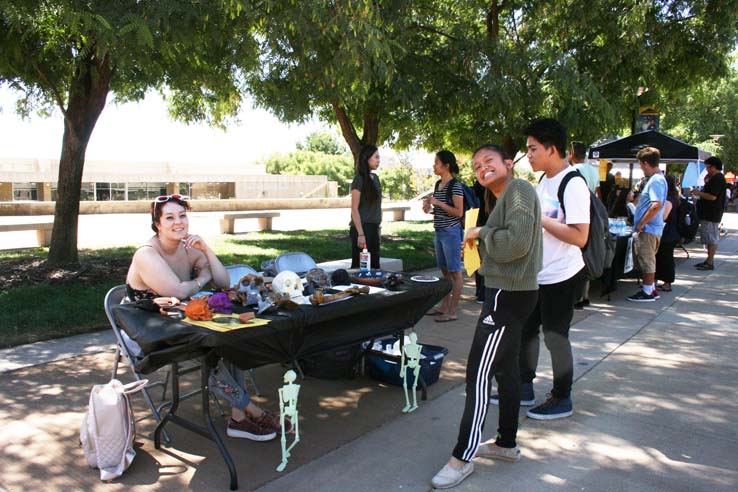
{"x":236,"y":272}
{"x":127,"y":347}
{"x":297,"y":262}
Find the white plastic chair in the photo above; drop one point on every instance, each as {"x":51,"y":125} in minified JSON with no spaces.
{"x":297,"y":262}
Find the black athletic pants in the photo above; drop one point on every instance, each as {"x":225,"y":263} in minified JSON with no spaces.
{"x":494,"y":351}
{"x":554,"y":311}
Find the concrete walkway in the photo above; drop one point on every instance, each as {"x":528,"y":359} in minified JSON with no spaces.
{"x":655,"y":407}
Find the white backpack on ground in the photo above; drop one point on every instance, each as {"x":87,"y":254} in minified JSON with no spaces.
{"x":108,"y":428}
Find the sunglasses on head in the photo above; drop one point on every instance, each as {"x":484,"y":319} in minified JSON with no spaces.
{"x":166,"y":198}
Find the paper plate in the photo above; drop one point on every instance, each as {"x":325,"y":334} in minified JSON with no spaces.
{"x":424,"y":278}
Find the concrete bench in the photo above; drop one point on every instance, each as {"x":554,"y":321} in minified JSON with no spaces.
{"x":398,"y":211}
{"x":42,"y":228}
{"x":265,"y":220}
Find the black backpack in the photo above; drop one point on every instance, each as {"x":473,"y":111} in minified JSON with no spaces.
{"x":687,"y":220}
{"x":471,"y":200}
{"x":599,"y":250}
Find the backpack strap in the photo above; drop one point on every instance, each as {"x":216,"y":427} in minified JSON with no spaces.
{"x":568,"y":177}
{"x":449,"y":187}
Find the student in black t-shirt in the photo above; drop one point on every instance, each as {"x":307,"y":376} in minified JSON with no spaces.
{"x":710,"y":209}
{"x":366,"y":207}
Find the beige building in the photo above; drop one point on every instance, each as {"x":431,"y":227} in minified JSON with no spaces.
{"x":35,"y":180}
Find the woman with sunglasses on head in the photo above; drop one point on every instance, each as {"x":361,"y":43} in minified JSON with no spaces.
{"x":510,"y":249}
{"x":175,"y":263}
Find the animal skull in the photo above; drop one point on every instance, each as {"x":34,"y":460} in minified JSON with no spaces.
{"x":289,"y":283}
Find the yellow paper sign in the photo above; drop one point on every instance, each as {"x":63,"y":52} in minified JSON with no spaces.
{"x":471,"y":253}
{"x":603,"y":170}
{"x":230,"y":325}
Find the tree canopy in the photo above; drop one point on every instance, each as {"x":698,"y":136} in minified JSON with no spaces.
{"x":68,"y":55}
{"x":454,"y":74}
{"x":707,"y":116}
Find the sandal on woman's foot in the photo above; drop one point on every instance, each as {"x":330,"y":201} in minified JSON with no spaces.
{"x":445,"y":318}
{"x":435,"y":312}
{"x":664,"y":288}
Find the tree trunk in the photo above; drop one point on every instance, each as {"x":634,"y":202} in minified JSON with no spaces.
{"x":509,"y":145}
{"x":370,"y":134}
{"x":87,"y":95}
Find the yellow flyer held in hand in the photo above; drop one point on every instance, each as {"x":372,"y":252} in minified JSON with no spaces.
{"x":470,"y":252}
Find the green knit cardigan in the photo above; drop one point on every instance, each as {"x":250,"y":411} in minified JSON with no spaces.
{"x":510,"y":242}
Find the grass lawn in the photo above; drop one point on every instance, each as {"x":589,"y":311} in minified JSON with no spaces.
{"x":40,"y":304}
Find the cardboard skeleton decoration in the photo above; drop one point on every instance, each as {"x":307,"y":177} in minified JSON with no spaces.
{"x":410,"y":360}
{"x":288,"y":410}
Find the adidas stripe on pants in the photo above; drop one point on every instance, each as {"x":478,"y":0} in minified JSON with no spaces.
{"x":494,"y":351}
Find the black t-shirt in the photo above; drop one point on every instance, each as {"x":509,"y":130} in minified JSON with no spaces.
{"x":712,"y":211}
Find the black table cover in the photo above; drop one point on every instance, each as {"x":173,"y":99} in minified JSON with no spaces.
{"x":290,"y":335}
{"x":617,"y":270}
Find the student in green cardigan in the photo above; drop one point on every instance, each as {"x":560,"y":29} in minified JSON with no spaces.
{"x":510,"y":249}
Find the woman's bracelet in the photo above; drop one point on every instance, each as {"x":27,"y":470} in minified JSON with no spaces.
{"x":199,"y":285}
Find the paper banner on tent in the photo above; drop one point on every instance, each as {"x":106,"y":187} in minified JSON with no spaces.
{"x":603,"y":169}
{"x":693,"y":174}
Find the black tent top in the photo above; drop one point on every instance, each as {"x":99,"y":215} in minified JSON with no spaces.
{"x":672,"y":149}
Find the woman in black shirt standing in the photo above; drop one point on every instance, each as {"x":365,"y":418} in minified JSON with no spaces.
{"x":366,"y":207}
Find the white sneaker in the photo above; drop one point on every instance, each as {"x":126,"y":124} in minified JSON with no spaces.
{"x":451,"y":477}
{"x":492,"y":450}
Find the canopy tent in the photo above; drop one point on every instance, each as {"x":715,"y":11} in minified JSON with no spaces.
{"x":626,"y":148}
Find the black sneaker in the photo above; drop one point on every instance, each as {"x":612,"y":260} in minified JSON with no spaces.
{"x":581,"y":304}
{"x":641,"y":296}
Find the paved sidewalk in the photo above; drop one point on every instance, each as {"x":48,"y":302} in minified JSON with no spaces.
{"x":655,"y":409}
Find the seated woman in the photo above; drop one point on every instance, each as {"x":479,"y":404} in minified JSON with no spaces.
{"x":178,"y":264}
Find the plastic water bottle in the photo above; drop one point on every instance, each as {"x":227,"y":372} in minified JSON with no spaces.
{"x":365,"y":260}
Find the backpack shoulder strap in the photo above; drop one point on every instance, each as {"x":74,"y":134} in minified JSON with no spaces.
{"x":568,"y":177}
{"x":449,"y":190}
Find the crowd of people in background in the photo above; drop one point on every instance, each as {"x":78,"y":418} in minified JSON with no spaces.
{"x":506,"y":342}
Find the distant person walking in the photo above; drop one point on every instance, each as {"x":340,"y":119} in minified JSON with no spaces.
{"x":665,"y":271}
{"x":447,"y":206}
{"x":649,"y":222}
{"x":366,"y":207}
{"x":710,"y":209}
{"x":510,"y":248}
{"x":560,"y":280}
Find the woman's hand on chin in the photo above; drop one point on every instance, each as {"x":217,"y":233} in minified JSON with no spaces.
{"x":195,"y":242}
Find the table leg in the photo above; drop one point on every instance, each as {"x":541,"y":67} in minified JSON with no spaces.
{"x":172,"y":409}
{"x":211,"y":427}
{"x":208,"y":432}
